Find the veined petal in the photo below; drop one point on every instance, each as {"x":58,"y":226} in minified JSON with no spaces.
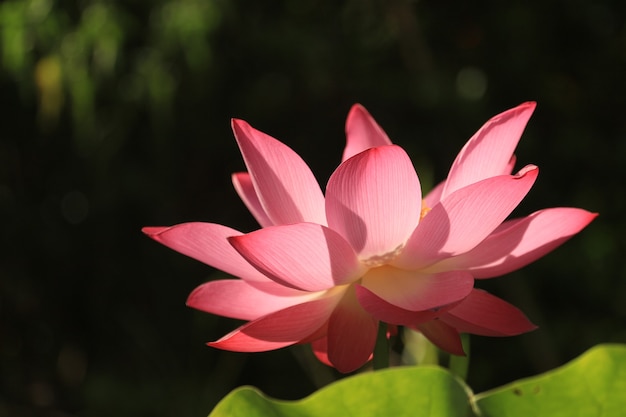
{"x":487,"y":315}
{"x":517,"y":243}
{"x":389,"y":313}
{"x":304,"y":256}
{"x":351,"y":334}
{"x":282,"y":328}
{"x":488,"y":153}
{"x":245,"y":189}
{"x":465,"y":218}
{"x":238,"y":299}
{"x":373,"y":200}
{"x":362,"y":132}
{"x":284,"y":184}
{"x":207,"y":243}
{"x":415,"y":291}
{"x":434,"y":196}
{"x":443,"y":336}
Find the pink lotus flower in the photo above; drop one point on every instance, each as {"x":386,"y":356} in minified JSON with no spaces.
{"x":326,"y":270}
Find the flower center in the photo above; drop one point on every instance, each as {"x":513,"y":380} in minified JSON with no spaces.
{"x":378,"y":260}
{"x":425,"y":210}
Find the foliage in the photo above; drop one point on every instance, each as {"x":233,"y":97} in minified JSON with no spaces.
{"x":591,"y":385}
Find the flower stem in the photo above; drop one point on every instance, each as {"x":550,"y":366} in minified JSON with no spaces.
{"x":459,"y":365}
{"x":381,"y":350}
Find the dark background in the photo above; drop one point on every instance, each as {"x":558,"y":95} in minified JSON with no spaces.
{"x":115,"y":115}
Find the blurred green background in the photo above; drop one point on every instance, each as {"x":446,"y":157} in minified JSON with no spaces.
{"x":115,"y":115}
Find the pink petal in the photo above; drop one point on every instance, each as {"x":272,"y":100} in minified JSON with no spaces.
{"x":488,"y":153}
{"x":284,"y":184}
{"x":244,"y":187}
{"x":465,"y":218}
{"x":282,"y":328}
{"x":487,"y":315}
{"x":351,"y":334}
{"x":519,"y":242}
{"x":304,"y":256}
{"x":373,"y":200}
{"x":320,"y":350}
{"x":416,"y":291}
{"x":362,"y":132}
{"x":238,"y":299}
{"x":389,"y":313}
{"x":207,"y":243}
{"x":434,"y":196}
{"x":443,"y":336}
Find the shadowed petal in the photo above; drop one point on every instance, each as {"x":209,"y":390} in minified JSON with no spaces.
{"x":351,"y":334}
{"x":373,"y":200}
{"x":487,"y":315}
{"x":207,"y":243}
{"x":415,"y":291}
{"x":238,"y":299}
{"x":465,"y":218}
{"x":304,"y":256}
{"x":443,"y":336}
{"x":282,"y":328}
{"x":488,"y":153}
{"x":362,"y":132}
{"x":389,"y":313}
{"x":320,"y":350}
{"x":245,"y":189}
{"x":284,"y":184}
{"x":517,"y":243}
{"x":434,"y":196}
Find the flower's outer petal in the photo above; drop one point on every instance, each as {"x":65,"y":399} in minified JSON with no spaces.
{"x":373,"y":200}
{"x":415,"y":291}
{"x":207,"y":243}
{"x":245,"y":189}
{"x":434,"y":196}
{"x":284,"y":184}
{"x":443,"y":336}
{"x":238,"y":299}
{"x":516,"y":243}
{"x":488,"y":153}
{"x":389,"y":313}
{"x":487,"y":315}
{"x":351,"y":334}
{"x":465,"y":218}
{"x":511,"y":165}
{"x":304,"y":256}
{"x":282,"y":328}
{"x":320,"y":350}
{"x":362,"y":132}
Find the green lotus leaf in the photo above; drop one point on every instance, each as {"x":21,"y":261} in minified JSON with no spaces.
{"x":405,"y":391}
{"x":592,"y":385}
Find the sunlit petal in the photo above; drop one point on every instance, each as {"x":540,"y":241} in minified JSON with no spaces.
{"x":245,"y":189}
{"x":465,"y":218}
{"x":207,"y":243}
{"x":488,"y":153}
{"x":240,"y":300}
{"x":304,"y":256}
{"x":519,"y":242}
{"x":362,"y":132}
{"x":282,"y":328}
{"x":373,"y":200}
{"x":284,"y":184}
